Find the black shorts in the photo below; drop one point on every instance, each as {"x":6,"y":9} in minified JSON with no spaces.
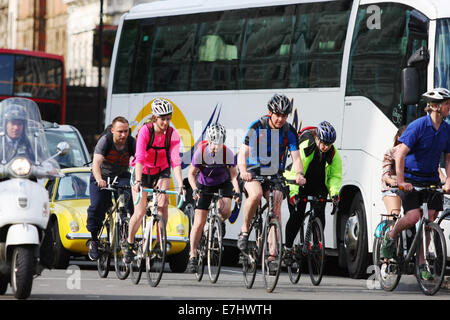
{"x":150,"y":181}
{"x":266,"y":185}
{"x":205,"y":200}
{"x":414,"y":200}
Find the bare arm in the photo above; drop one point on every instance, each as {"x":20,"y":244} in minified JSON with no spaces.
{"x":400,"y":167}
{"x":298,"y":167}
{"x":96,"y":170}
{"x":447,"y":171}
{"x":242,"y":162}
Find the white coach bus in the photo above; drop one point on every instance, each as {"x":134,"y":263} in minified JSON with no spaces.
{"x":361,"y":65}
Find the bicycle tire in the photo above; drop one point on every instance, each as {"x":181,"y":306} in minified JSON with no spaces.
{"x":137,"y":265}
{"x":444,"y":216}
{"x":120,"y":237}
{"x":271,"y":254}
{"x":104,"y":247}
{"x":215,"y":249}
{"x":387,"y":272}
{"x":316,"y":252}
{"x":250,"y":263}
{"x":436,"y":256}
{"x":201,"y":253}
{"x":295,"y":269}
{"x":155,"y":256}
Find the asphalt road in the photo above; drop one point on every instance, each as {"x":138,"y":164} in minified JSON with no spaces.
{"x":82,"y":282}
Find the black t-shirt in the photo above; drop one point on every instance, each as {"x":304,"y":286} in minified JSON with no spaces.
{"x":115,"y":161}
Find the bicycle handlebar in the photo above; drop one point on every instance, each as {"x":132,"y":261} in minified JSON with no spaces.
{"x":415,"y":188}
{"x":273,"y":178}
{"x":180,"y":198}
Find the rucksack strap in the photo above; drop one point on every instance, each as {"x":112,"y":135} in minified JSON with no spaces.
{"x":167,"y":142}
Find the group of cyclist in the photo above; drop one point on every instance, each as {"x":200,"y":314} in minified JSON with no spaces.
{"x":316,"y":168}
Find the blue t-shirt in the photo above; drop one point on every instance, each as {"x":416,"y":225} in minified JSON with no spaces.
{"x":262,"y":140}
{"x":426,"y":146}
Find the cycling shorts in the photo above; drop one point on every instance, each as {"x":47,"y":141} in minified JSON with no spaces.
{"x":205,"y":200}
{"x":150,"y":181}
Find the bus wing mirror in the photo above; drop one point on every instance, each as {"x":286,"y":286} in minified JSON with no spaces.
{"x":410,"y":86}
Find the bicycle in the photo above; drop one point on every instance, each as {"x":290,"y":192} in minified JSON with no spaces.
{"x":152,"y":251}
{"x":309,"y":243}
{"x":210,"y":247}
{"x":115,"y":226}
{"x":265,"y":240}
{"x":428,"y":237}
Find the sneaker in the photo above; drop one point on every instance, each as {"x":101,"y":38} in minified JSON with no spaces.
{"x":192,"y":266}
{"x":388,"y":246}
{"x":425,"y":273}
{"x":93,"y":250}
{"x":242,"y":241}
{"x":288,"y":258}
{"x":128,"y":253}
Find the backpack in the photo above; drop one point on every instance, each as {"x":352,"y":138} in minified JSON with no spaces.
{"x":109,"y":140}
{"x":167,"y":141}
{"x":305,"y":133}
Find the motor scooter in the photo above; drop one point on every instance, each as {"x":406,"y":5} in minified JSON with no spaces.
{"x":24,"y":202}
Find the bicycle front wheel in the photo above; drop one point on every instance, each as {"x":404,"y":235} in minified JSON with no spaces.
{"x":272,"y":253}
{"x":215,"y":249}
{"x":430,"y":272}
{"x":250,"y":259}
{"x":120,"y":238}
{"x":104,"y":247}
{"x":137,"y":266}
{"x":155,"y":257}
{"x":201,"y":256}
{"x":316,"y":252}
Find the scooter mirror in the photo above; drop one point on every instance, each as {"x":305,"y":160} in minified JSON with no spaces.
{"x":63,"y":148}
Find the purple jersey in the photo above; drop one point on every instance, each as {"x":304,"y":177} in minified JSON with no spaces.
{"x":212,"y":171}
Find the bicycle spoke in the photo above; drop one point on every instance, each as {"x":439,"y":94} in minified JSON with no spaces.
{"x":316,"y":252}
{"x":156,"y":254}
{"x":215,"y":250}
{"x":272,"y":253}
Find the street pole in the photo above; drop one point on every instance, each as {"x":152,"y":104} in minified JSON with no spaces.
{"x":100,"y":58}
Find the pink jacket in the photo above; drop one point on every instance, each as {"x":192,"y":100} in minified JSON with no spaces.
{"x":147,"y":158}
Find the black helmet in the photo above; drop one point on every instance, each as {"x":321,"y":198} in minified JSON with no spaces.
{"x":280,"y":104}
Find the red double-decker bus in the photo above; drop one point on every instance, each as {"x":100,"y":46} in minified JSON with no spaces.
{"x":35,"y":75}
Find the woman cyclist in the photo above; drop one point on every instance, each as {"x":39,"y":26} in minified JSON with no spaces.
{"x":157,"y":151}
{"x":216,"y":168}
{"x":323,"y":172}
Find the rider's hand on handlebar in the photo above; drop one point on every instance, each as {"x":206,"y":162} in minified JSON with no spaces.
{"x":335,"y":200}
{"x":246,"y":176}
{"x":137,"y":186}
{"x":237,"y":197}
{"x":101,"y":183}
{"x":300,"y":179}
{"x":405,"y":186}
{"x":195,"y":194}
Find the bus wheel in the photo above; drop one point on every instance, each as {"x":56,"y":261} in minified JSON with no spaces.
{"x":355,"y":239}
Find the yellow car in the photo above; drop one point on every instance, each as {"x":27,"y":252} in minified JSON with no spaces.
{"x":69,"y":200}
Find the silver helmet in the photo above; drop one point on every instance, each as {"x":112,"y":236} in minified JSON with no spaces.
{"x":161,"y":107}
{"x":216,"y":133}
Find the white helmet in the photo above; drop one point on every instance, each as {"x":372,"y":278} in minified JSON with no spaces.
{"x":216,"y":133}
{"x":161,"y":107}
{"x":437,"y":95}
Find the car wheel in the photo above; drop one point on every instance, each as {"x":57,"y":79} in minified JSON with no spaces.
{"x":178,"y":262}
{"x":62,"y":255}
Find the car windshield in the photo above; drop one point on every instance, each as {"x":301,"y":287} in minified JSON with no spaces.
{"x":76,"y":156}
{"x":22,"y":133}
{"x":73,"y":186}
{"x":442,"y":55}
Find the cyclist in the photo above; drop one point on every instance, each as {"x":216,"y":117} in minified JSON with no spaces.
{"x":216,"y":168}
{"x":157,"y":151}
{"x":417,"y":163}
{"x":323,"y":172}
{"x":258,"y":156}
{"x":111,"y":157}
{"x":391,"y":200}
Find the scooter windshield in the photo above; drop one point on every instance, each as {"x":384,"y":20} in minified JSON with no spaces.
{"x":22,"y":133}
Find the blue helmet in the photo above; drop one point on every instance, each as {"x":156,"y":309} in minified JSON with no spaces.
{"x":326,"y":133}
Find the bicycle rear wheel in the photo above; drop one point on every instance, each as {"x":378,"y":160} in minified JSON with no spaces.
{"x":201,"y":256}
{"x":387,"y":271}
{"x":250,"y":262}
{"x":137,"y":266}
{"x":272,"y":253}
{"x":435,"y":260}
{"x":316,"y":252}
{"x":215,"y":250}
{"x":104,"y":247}
{"x":156,"y":254}
{"x":120,"y":238}
{"x":295,"y":268}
